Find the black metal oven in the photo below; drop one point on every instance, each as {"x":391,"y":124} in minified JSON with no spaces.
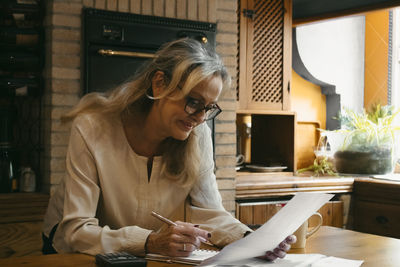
{"x":116,"y":43}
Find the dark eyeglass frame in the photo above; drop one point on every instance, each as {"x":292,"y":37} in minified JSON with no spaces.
{"x":194,"y":106}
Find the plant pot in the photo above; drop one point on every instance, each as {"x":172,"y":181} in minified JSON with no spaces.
{"x":376,"y":161}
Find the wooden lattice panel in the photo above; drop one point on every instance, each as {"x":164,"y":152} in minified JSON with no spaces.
{"x":267,"y":74}
{"x":238,"y":49}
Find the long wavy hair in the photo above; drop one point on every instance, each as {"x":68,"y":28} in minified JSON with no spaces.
{"x":185,"y":63}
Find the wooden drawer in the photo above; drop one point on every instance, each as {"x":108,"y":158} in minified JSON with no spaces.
{"x":376,"y":190}
{"x":255,"y":213}
{"x":377,"y":218}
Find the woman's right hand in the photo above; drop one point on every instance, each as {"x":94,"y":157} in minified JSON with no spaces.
{"x":176,"y":241}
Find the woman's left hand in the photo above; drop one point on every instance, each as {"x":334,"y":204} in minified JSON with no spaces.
{"x":280,"y":250}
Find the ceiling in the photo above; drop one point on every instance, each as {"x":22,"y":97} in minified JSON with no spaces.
{"x":311,"y":10}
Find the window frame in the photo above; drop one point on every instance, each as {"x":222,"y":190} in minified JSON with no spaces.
{"x":395,"y":59}
{"x":394,"y":97}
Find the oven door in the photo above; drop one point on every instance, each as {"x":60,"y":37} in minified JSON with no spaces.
{"x":109,"y":66}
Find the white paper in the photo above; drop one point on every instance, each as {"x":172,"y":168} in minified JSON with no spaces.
{"x":196,"y":257}
{"x":298,"y":260}
{"x":390,"y":177}
{"x":291,"y":260}
{"x":274,"y":231}
{"x":334,"y":262}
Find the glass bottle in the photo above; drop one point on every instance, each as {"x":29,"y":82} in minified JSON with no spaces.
{"x":8,"y":181}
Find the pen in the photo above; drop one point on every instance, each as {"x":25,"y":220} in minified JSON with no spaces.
{"x":163,"y":219}
{"x":169,"y":222}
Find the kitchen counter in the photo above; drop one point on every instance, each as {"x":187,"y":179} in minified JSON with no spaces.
{"x":260,"y":195}
{"x":258,"y":185}
{"x":375,"y":201}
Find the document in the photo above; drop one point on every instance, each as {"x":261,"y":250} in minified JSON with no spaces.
{"x":299,"y":260}
{"x":390,"y":177}
{"x":197,"y":257}
{"x":274,"y":231}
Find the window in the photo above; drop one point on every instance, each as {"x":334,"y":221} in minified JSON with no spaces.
{"x":394,"y":78}
{"x":394,"y":66}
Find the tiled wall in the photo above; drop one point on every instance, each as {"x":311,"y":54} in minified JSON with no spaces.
{"x":63,"y":75}
{"x":376,"y":57}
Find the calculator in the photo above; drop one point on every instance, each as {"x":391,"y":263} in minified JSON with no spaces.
{"x":119,"y":259}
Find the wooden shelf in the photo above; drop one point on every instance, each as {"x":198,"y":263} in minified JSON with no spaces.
{"x":22,"y":207}
{"x":265,"y":112}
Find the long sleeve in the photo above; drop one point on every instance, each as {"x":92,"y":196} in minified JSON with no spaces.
{"x":79,"y":229}
{"x":206,"y":206}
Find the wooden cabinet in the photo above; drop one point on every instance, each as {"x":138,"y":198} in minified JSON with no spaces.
{"x":21,"y":221}
{"x":21,"y":88}
{"x":273,"y":140}
{"x":264,"y":82}
{"x":377,"y":207}
{"x":256,"y":213}
{"x":260,"y":195}
{"x":253,"y":213}
{"x":265,"y":29}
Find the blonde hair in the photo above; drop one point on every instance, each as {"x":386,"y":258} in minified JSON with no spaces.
{"x":185,"y":63}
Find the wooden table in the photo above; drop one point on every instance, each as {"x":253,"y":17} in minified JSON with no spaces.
{"x":374,"y":250}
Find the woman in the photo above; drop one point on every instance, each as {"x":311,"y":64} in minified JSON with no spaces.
{"x":142,"y":148}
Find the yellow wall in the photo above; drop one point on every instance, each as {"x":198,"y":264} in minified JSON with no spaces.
{"x":310,"y":106}
{"x":376,"y":57}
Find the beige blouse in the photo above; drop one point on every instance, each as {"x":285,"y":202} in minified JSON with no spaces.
{"x":105,"y":202}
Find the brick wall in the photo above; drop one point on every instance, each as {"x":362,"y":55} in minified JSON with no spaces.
{"x":63,"y":75}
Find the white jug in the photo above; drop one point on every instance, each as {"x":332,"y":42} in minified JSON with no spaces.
{"x":27,"y":180}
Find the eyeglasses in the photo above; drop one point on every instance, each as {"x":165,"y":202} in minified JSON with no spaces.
{"x":194,"y":106}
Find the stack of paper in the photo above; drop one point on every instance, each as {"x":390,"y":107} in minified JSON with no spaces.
{"x":243,"y":252}
{"x":274,"y":231}
{"x":197,"y":257}
{"x":299,"y":260}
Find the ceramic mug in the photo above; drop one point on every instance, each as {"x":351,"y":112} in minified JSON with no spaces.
{"x":302,"y":233}
{"x":240,"y":159}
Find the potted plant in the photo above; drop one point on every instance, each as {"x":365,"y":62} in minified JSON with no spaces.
{"x":366,"y":142}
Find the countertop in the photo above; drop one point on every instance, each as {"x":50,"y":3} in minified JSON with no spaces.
{"x":258,"y":185}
